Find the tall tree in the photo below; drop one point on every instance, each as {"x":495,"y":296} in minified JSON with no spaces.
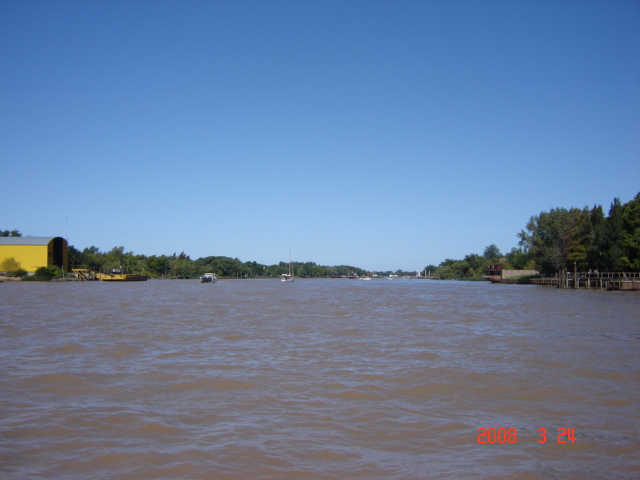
{"x":518,"y":259}
{"x":545,"y":239}
{"x":492,"y":252}
{"x":631,"y":234}
{"x":596,"y":249}
{"x":614,"y":240}
{"x":578,"y":238}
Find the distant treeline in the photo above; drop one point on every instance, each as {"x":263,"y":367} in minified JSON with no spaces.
{"x":182,"y":266}
{"x":583,"y":239}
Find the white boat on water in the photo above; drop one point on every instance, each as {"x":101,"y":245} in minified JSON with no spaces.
{"x":208,"y":278}
{"x":288,"y":277}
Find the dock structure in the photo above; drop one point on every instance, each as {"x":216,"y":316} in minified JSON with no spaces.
{"x":633,"y":284}
{"x":628,"y":281}
{"x":601,"y":280}
{"x":85,"y":274}
{"x":116,"y":275}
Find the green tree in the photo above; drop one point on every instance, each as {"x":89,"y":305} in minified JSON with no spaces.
{"x":430,"y":269}
{"x":10,"y":266}
{"x":614,"y":237}
{"x":545,"y":239}
{"x":44,"y":274}
{"x":319,"y":271}
{"x":183,"y":268}
{"x":596,"y":249}
{"x":492,"y":253}
{"x":75,"y":257}
{"x":116,"y":256}
{"x":631,"y":234}
{"x":453,"y":269}
{"x":158,"y":266}
{"x":578,"y":239}
{"x":518,"y":259}
{"x":93,"y":259}
{"x":477,"y":264}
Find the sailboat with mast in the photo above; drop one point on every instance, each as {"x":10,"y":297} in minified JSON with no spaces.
{"x":288,"y":277}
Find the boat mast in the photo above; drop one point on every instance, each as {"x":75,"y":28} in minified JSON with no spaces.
{"x":290,"y":266}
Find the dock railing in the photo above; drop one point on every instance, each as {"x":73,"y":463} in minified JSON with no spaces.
{"x":599,"y":280}
{"x":589,"y":280}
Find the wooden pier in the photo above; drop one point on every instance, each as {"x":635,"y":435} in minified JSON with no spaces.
{"x":628,"y":281}
{"x":603,"y":281}
{"x":624,"y":285}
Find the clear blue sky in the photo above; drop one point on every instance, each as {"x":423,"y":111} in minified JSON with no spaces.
{"x":380,"y":134}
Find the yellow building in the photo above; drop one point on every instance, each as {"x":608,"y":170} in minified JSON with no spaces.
{"x":35,"y":252}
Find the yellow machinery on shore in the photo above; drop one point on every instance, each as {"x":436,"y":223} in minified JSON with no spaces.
{"x":116,"y":275}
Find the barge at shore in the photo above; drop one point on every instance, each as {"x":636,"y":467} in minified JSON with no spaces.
{"x":122,"y":277}
{"x":116,"y":275}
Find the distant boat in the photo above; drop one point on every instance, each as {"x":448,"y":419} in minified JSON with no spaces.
{"x":208,"y":278}
{"x":288,"y":277}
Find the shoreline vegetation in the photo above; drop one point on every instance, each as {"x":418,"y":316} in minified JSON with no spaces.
{"x":551,"y":242}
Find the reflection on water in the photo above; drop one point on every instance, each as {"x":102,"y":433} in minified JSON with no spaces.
{"x":318,"y":379}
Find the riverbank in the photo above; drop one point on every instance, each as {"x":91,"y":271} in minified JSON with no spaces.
{"x":9,"y":279}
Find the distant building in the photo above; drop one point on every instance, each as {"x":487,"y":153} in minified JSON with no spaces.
{"x":35,"y":252}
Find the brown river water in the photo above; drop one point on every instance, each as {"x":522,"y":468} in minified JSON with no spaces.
{"x":317,"y":379}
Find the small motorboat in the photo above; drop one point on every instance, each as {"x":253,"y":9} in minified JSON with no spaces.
{"x":208,"y":278}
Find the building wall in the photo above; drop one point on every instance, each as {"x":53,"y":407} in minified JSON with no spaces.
{"x":32,"y":257}
{"x":518,"y":273}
